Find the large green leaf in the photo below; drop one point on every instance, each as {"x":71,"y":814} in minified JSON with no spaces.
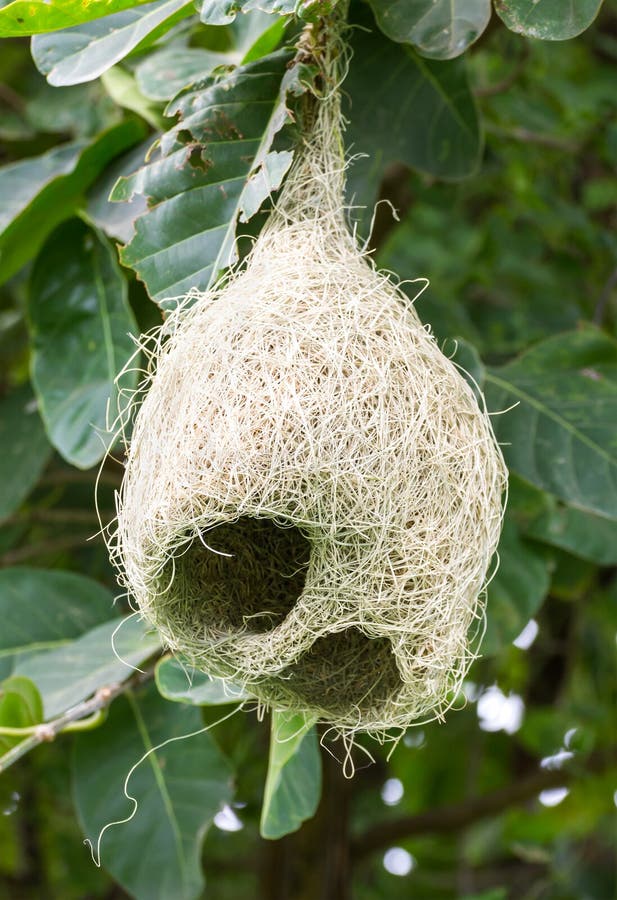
{"x":440,"y":29}
{"x":103,"y":656}
{"x":164,"y":73}
{"x":24,"y":17}
{"x":293,"y":783}
{"x":178,"y":681}
{"x":580,"y":533}
{"x":44,"y":608}
{"x":549,"y":20}
{"x":80,"y":324}
{"x":213,"y":168}
{"x":516,"y":592}
{"x":222,"y":12}
{"x":20,"y":707}
{"x":83,"y":53}
{"x":123,"y":89}
{"x":424,"y":107}
{"x":561,"y":435}
{"x":24,"y":448}
{"x":38,"y":193}
{"x":178,"y":789}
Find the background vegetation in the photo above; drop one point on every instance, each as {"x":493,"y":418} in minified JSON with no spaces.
{"x":502,"y":166}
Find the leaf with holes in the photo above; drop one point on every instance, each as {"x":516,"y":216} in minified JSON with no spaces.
{"x":85,"y":52}
{"x":293,"y":782}
{"x":178,"y":789}
{"x":548,"y":20}
{"x":211,"y":170}
{"x":440,"y":29}
{"x":561,"y":435}
{"x":80,"y":326}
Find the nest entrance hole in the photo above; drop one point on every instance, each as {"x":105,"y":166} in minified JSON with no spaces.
{"x":343,"y":671}
{"x":243,"y":576}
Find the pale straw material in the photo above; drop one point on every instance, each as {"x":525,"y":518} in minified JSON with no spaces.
{"x":313,"y":494}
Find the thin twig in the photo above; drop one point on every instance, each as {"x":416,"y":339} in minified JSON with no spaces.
{"x":80,"y":717}
{"x":533,"y":137}
{"x":458,"y":816}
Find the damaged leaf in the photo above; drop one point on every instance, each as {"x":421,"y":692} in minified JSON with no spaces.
{"x":214,"y":168}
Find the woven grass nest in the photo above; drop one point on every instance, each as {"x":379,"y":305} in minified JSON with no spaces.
{"x":313,"y":494}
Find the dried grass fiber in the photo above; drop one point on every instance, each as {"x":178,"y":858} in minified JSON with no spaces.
{"x":313,"y":494}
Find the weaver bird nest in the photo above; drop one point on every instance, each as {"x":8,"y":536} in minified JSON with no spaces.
{"x":312,"y":494}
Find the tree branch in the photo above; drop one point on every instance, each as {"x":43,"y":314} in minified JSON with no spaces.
{"x":457,"y":816}
{"x":525,"y":136}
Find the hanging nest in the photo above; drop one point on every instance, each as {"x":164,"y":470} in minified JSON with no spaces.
{"x":313,"y":495}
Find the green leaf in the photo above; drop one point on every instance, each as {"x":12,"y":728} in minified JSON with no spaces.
{"x":548,"y":20}
{"x":20,"y":707}
{"x":73,"y":672}
{"x":80,"y":325}
{"x":81,"y":111}
{"x":43,"y":608}
{"x":425,"y":108}
{"x":222,"y":12}
{"x":258,"y":40}
{"x":24,"y":448}
{"x":580,"y":533}
{"x":116,"y":220}
{"x":123,"y":90}
{"x":516,"y":592}
{"x":293,"y":783}
{"x":177,"y":681}
{"x":38,"y":193}
{"x":20,"y":703}
{"x":23,"y":17}
{"x":561,"y":436}
{"x":440,"y":29}
{"x":178,"y":790}
{"x":164,"y":73}
{"x":212,"y":169}
{"x":85,"y":52}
